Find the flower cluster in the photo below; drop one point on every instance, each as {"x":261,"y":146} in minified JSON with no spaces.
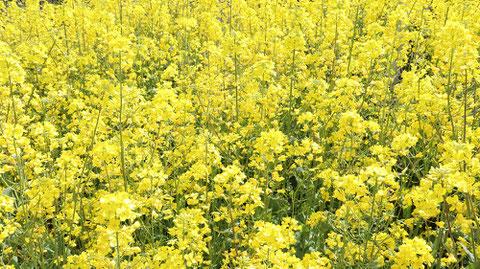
{"x":239,"y":134}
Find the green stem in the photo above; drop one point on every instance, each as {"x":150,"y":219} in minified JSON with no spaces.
{"x":119,"y":264}
{"x":449,"y":94}
{"x":352,"y":41}
{"x":122,"y":148}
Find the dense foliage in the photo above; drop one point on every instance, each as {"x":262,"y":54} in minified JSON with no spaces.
{"x":239,"y":134}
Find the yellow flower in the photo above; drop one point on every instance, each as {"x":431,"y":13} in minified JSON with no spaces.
{"x":413,"y":253}
{"x":402,"y":142}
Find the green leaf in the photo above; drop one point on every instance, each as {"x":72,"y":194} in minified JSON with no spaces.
{"x":473,"y":265}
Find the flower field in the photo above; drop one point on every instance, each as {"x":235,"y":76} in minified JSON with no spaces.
{"x":240,"y":134}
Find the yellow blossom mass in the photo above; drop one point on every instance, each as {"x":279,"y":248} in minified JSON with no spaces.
{"x":239,"y":134}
